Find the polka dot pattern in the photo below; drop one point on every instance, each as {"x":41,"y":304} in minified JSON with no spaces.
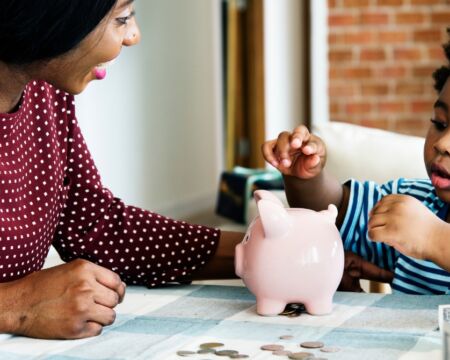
{"x":51,"y":193}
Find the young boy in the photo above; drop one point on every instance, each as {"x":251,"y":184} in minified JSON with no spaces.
{"x":401,"y":226}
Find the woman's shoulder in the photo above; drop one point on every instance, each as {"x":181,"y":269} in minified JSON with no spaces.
{"x":37,"y":90}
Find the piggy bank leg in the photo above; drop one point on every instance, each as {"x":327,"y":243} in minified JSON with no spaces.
{"x":269,"y":307}
{"x":319,"y":307}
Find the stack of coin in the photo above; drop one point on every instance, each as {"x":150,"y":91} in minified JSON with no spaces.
{"x":293,"y":310}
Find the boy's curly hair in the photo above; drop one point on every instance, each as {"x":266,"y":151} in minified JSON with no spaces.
{"x":441,"y":75}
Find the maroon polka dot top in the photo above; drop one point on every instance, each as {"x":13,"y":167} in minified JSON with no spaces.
{"x":51,"y":193}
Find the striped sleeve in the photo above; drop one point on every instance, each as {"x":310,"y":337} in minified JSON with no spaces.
{"x":363,"y":197}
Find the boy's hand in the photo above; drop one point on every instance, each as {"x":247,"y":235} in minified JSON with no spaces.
{"x":356,"y":268}
{"x":298,"y":154}
{"x":403,"y":222}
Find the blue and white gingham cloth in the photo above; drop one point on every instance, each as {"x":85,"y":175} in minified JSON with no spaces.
{"x":156,"y":323}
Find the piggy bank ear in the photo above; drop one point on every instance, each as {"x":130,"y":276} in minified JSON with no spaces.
{"x":266,"y":195}
{"x":331,"y":213}
{"x":274,"y":218}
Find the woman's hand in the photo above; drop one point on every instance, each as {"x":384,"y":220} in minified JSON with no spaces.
{"x":299,"y":154}
{"x":403,"y":222}
{"x":356,"y":268}
{"x":70,"y":301}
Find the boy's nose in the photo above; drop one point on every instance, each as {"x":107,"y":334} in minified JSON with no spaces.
{"x":442,"y":146}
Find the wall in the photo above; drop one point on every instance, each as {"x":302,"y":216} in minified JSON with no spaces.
{"x":154,"y":125}
{"x":382,"y":54}
{"x":284,"y":66}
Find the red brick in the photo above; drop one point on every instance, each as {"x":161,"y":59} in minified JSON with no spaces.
{"x":426,"y":2}
{"x":424,"y":71}
{"x":412,"y":126}
{"x":372,"y":55}
{"x":357,"y":73}
{"x":441,"y":17}
{"x":392,"y":37}
{"x":374,"y":18}
{"x":390,"y":2}
{"x":342,"y":90}
{"x":437,"y":54}
{"x":359,"y":37}
{"x":332,"y":3}
{"x":340,"y":55}
{"x":334,"y":107}
{"x":391,"y":106}
{"x":356,"y":3}
{"x":342,"y":20}
{"x":430,"y":35}
{"x":422,"y":106}
{"x":409,"y":88}
{"x":358,"y":108}
{"x":374,"y":123}
{"x":374,"y":89}
{"x":395,"y":71}
{"x":407,"y":54}
{"x":410,"y":18}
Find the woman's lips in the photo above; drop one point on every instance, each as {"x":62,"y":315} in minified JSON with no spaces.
{"x":440,"y":177}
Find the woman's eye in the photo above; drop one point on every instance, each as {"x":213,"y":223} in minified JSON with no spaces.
{"x":439,"y":125}
{"x":124,"y":19}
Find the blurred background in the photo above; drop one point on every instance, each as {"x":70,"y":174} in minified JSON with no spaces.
{"x":212,"y":79}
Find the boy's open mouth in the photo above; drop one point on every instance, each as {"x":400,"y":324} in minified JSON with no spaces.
{"x":440,"y":177}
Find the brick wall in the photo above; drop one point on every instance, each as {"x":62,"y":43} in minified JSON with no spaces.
{"x":382,"y":54}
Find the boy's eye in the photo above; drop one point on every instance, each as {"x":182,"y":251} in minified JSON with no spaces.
{"x":439,"y":125}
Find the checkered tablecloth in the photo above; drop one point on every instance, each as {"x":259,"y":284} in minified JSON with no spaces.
{"x":155,"y":324}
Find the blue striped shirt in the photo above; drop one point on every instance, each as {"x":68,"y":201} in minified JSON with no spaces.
{"x":411,"y":275}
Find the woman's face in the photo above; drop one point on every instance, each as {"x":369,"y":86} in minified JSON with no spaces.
{"x":437,"y":145}
{"x":72,"y":71}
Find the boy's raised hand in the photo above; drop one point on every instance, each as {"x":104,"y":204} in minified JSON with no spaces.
{"x":298,"y":153}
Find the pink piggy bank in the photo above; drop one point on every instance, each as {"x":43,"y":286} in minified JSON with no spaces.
{"x":291,"y":256}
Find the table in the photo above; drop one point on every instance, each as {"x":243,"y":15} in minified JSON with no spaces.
{"x":156,"y":323}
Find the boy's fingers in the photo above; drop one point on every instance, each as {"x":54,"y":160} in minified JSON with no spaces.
{"x":299,"y":136}
{"x":282,"y":149}
{"x":370,"y":271}
{"x":268,"y":152}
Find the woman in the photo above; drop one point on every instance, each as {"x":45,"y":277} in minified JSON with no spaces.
{"x":50,"y":190}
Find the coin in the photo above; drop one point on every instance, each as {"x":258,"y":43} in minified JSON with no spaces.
{"x":185,"y":353}
{"x":210,"y":345}
{"x":286,"y":337}
{"x":282,"y":353}
{"x":312,"y":344}
{"x":272,"y":347}
{"x":302,"y":355}
{"x":226,"y":352}
{"x":294,"y":314}
{"x":239,"y":356}
{"x":330,"y":349}
{"x":206,"y":351}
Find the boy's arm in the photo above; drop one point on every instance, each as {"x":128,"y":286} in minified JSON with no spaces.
{"x":317,"y":193}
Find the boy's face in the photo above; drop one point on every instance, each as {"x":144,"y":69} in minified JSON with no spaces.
{"x":437,"y":145}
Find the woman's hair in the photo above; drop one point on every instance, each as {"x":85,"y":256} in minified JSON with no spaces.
{"x":34,"y":30}
{"x":442,"y":74}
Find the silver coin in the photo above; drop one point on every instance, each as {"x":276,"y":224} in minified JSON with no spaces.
{"x":206,"y":351}
{"x":302,"y":355}
{"x":286,"y":337}
{"x":282,"y":353}
{"x":210,"y":345}
{"x":330,"y":349}
{"x":226,"y":352}
{"x":272,"y":347}
{"x":186,"y":353}
{"x":312,"y":344}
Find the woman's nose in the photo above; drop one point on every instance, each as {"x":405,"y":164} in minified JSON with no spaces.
{"x":133,"y":35}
